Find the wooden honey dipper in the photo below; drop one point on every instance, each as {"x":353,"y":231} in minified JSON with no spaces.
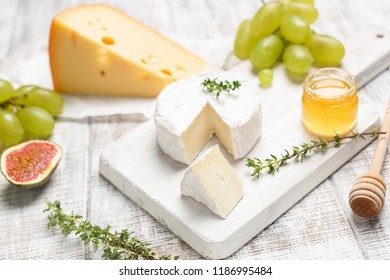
{"x":367,"y":196}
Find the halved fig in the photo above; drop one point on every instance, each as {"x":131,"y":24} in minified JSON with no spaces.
{"x":30,"y":164}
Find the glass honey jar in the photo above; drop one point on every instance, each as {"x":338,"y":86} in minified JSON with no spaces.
{"x":329,"y":102}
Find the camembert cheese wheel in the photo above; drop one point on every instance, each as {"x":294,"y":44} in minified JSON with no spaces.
{"x":96,"y":49}
{"x":187,"y":116}
{"x":211,"y":180}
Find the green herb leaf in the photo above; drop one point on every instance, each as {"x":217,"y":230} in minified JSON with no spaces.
{"x":272,"y":164}
{"x":211,"y":86}
{"x":115,"y":245}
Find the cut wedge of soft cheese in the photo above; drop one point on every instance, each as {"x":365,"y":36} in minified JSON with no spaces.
{"x":187,"y":116}
{"x":96,"y":49}
{"x":211,"y":180}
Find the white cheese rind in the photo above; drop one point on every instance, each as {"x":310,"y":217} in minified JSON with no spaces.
{"x":212,"y":181}
{"x":181,"y":102}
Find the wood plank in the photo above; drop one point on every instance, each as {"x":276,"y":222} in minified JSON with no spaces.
{"x":8,"y":12}
{"x":315,"y":228}
{"x":338,"y":18}
{"x":155,"y":15}
{"x":110,"y":207}
{"x":23,"y":226}
{"x":209,"y":19}
{"x":372,"y":234}
{"x":352,"y":16}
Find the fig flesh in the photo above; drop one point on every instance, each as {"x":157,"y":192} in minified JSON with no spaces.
{"x":30,"y":164}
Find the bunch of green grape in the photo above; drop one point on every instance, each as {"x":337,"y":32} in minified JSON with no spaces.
{"x":280,"y":30}
{"x":27,"y":112}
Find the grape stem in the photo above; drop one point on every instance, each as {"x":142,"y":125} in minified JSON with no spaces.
{"x":12,"y":102}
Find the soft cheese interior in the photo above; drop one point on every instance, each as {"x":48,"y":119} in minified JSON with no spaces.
{"x":187,"y":116}
{"x":212,"y":181}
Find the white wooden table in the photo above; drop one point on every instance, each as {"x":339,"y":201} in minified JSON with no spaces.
{"x":320,"y":226}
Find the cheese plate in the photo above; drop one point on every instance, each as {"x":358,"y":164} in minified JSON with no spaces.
{"x":136,"y":165}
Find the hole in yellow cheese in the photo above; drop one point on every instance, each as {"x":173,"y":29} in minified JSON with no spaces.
{"x":166,"y":72}
{"x":154,"y":59}
{"x":181,"y":68}
{"x":108,"y":40}
{"x":73,"y":37}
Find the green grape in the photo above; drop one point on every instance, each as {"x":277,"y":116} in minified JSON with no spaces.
{"x":306,"y":11}
{"x":266,"y":20}
{"x":11,"y":131}
{"x":20,"y":94}
{"x":243,"y":25}
{"x":297,"y":59}
{"x":36,"y":121}
{"x":278,"y":33}
{"x":6,"y":90}
{"x":325,"y":49}
{"x":265,"y":77}
{"x":311,"y":2}
{"x":266,"y":52}
{"x":49,"y":100}
{"x":244,"y":42}
{"x":294,"y":28}
{"x":23,"y":90}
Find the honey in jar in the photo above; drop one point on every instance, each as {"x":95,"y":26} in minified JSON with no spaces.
{"x":329,"y":102}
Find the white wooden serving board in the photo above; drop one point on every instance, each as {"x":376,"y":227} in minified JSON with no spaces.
{"x":137,"y":167}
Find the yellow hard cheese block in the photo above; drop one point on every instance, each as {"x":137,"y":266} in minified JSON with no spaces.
{"x":96,"y":49}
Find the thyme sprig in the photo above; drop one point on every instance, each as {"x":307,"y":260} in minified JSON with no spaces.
{"x":116,"y":245}
{"x":273,"y":163}
{"x":213,"y":85}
